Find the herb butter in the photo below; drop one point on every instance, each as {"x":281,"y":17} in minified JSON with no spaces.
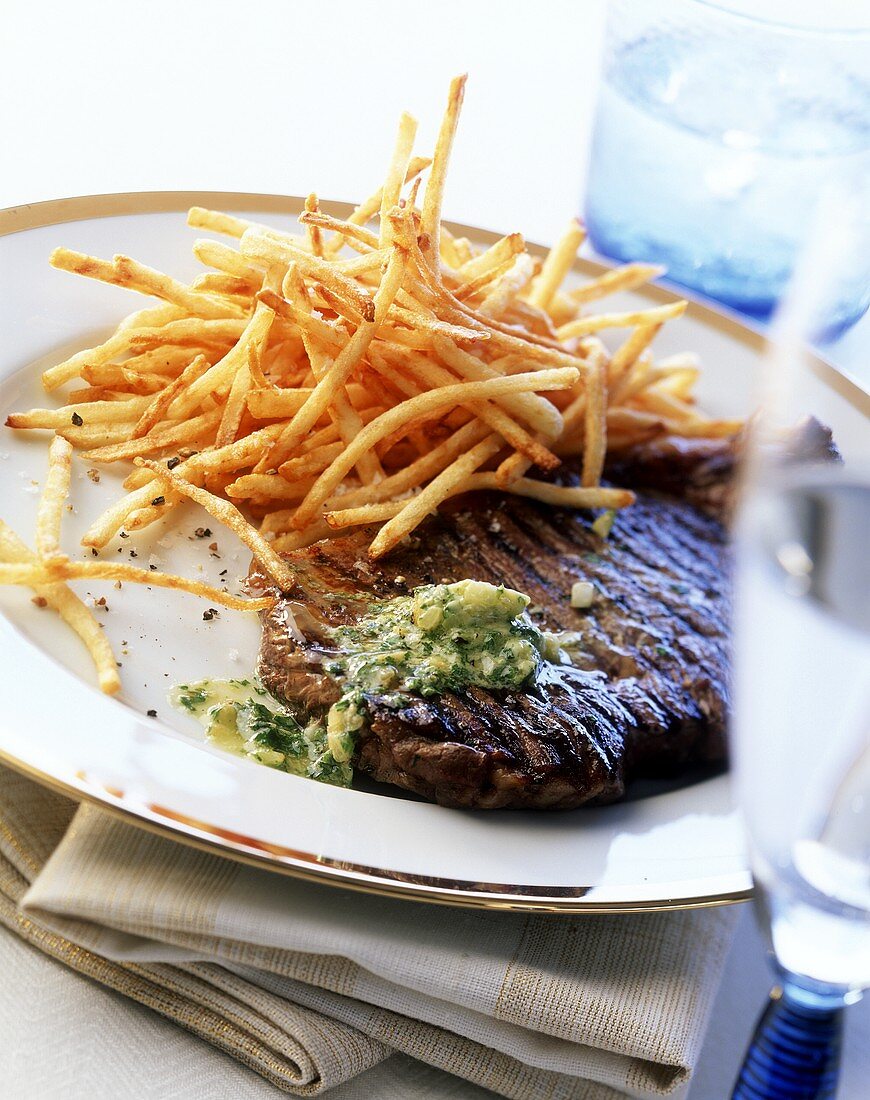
{"x":442,"y":637}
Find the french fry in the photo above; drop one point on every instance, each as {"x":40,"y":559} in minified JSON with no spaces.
{"x":558,"y":263}
{"x":655,"y":315}
{"x":434,"y":195}
{"x":126,"y":272}
{"x":156,"y":411}
{"x":254,"y":337}
{"x":103,"y":353}
{"x":345,"y":416}
{"x":560,"y":496}
{"x":370,"y":206}
{"x":268,"y":487}
{"x":627,"y":277}
{"x":630,"y":351}
{"x":112,"y":520}
{"x":67,"y":604}
{"x":315,"y":237}
{"x":164,"y":439}
{"x":396,"y":175}
{"x":231,"y":517}
{"x":53,"y":498}
{"x":228,"y":260}
{"x":266,"y":403}
{"x":438,"y":490}
{"x":80,"y":414}
{"x":200,"y":218}
{"x":64,"y":569}
{"x":595,"y":441}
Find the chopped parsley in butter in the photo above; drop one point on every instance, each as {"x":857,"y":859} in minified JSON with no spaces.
{"x":240,"y":716}
{"x":442,"y":637}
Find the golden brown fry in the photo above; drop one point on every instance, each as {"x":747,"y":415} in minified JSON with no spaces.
{"x":342,"y":412}
{"x":560,"y":496}
{"x":187,"y":432}
{"x":228,"y":260}
{"x":655,"y":315}
{"x":103,"y":353}
{"x":595,"y":441}
{"x":434,"y":195}
{"x":219,"y":377}
{"x":200,"y":218}
{"x":70,"y":608}
{"x":268,"y":487}
{"x":229,"y":515}
{"x":627,"y":277}
{"x":97,"y":436}
{"x":396,"y":175}
{"x":315,"y":237}
{"x":254,"y":337}
{"x":64,"y":569}
{"x":438,"y":490}
{"x":156,"y":411}
{"x":559,"y":261}
{"x":81,"y":414}
{"x":627,"y":354}
{"x":505,"y":250}
{"x":229,"y":286}
{"x":53,"y":498}
{"x":126,"y":272}
{"x":184,"y":332}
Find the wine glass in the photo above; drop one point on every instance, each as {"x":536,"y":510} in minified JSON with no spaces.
{"x":801,"y":718}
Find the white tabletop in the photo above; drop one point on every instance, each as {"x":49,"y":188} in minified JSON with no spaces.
{"x":291,"y":97}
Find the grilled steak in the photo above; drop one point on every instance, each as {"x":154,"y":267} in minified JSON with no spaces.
{"x":647,"y":690}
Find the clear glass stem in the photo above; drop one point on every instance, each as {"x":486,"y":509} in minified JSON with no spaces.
{"x":795,"y":1051}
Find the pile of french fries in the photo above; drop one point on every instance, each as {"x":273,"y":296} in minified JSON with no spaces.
{"x":358,"y":374}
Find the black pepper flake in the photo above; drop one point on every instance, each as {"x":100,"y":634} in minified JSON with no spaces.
{"x":94,"y":552}
{"x":222,"y":573}
{"x":124,"y":534}
{"x":203,"y":532}
{"x":173,"y":462}
{"x":133,"y":554}
{"x":77,"y":420}
{"x":157,"y":501}
{"x":152,"y":713}
{"x":211,"y":613}
{"x":153,"y":568}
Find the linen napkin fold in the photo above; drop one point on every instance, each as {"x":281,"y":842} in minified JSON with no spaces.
{"x":588,"y":1008}
{"x":296,"y":1049}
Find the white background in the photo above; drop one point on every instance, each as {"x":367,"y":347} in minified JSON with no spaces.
{"x":99,"y":96}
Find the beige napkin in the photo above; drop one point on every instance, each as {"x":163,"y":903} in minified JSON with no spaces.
{"x":331,"y":981}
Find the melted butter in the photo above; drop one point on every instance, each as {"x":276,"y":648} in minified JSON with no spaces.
{"x":241,"y":717}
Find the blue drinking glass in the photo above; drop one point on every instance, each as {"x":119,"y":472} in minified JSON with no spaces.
{"x":716,"y":129}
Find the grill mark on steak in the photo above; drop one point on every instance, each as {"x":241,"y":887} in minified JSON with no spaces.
{"x":647,"y":693}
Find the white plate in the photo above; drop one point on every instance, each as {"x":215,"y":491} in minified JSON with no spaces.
{"x":673,"y":849}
